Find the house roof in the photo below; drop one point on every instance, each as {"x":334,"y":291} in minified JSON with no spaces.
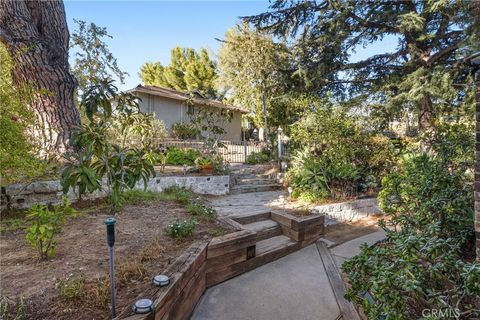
{"x":198,"y":98}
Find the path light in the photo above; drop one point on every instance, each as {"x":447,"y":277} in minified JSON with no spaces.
{"x":184,"y":169}
{"x":110,"y":223}
{"x":290,"y":190}
{"x":143,"y":306}
{"x":161,"y":280}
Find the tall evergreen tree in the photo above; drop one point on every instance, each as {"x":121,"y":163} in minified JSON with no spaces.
{"x":188,"y":70}
{"x":421,"y":75}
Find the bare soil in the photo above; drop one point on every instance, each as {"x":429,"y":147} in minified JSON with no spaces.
{"x":346,"y":231}
{"x":141,"y":251}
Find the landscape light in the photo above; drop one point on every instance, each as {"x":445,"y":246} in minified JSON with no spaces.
{"x":161,"y":280}
{"x":110,"y":223}
{"x":143,"y":306}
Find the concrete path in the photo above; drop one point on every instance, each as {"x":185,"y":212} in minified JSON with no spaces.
{"x":245,"y":202}
{"x":345,"y":251}
{"x":293,"y":287}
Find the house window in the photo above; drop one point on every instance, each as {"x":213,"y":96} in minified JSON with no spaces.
{"x":190,"y":109}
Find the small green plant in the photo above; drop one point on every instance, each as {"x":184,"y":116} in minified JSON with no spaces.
{"x":202,"y":210}
{"x":13,"y":224}
{"x":177,"y":194}
{"x":72,"y":289}
{"x":258,"y":157}
{"x":46,"y":223}
{"x":181,"y":229}
{"x":10,"y":309}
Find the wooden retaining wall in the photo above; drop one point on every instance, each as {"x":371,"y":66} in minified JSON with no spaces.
{"x":206,"y":264}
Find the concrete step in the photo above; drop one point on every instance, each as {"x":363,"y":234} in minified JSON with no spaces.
{"x":250,"y":217}
{"x":273,"y":248}
{"x":256,"y":181}
{"x":256,"y":169}
{"x":254,"y":188}
{"x":265,"y":229}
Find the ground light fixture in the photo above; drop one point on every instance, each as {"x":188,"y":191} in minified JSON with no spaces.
{"x":143,"y":306}
{"x":110,"y":223}
{"x":161,"y":280}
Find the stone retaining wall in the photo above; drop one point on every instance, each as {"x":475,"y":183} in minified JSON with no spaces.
{"x":349,"y":210}
{"x":23,"y":196}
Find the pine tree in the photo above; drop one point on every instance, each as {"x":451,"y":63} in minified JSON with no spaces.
{"x":187,"y":71}
{"x":422,"y":75}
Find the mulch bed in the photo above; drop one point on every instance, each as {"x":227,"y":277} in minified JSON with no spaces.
{"x":141,"y":251}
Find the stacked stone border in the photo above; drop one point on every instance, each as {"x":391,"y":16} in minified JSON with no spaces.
{"x":349,"y":210}
{"x":23,"y":196}
{"x":206,"y":264}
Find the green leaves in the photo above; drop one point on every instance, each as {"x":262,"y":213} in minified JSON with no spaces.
{"x":45,"y":224}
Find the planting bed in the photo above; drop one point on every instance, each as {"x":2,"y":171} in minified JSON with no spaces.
{"x":80,"y":265}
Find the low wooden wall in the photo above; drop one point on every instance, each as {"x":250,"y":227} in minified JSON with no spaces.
{"x":206,"y":264}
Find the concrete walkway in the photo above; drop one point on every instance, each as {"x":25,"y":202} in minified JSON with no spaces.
{"x":293,"y":287}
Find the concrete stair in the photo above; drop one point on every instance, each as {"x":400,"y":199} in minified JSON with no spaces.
{"x":258,"y":178}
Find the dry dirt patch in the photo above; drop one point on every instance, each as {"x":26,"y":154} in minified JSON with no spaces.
{"x":142,"y":250}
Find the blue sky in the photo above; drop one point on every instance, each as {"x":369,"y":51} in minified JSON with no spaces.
{"x":147,"y":30}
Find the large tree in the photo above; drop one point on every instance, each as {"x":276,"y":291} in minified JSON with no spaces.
{"x":188,"y":70}
{"x":253,"y":67}
{"x":421,"y":75}
{"x":93,"y":60}
{"x":36,"y":36}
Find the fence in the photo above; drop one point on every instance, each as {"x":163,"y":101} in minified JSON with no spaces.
{"x":232,"y":151}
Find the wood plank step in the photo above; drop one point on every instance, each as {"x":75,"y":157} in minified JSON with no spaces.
{"x":265,"y":229}
{"x":273,"y":244}
{"x":251,"y":217}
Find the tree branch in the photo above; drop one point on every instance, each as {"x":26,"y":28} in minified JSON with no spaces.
{"x":446,"y":51}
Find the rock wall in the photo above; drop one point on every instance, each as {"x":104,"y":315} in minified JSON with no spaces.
{"x":349,"y":210}
{"x":23,"y":196}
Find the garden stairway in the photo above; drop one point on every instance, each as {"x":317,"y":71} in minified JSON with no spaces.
{"x":254,"y":178}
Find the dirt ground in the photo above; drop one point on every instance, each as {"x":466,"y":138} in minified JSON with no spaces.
{"x":142,"y":250}
{"x":345,"y":231}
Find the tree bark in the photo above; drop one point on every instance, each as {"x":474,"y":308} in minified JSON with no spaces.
{"x":36,"y":36}
{"x":425,"y":115}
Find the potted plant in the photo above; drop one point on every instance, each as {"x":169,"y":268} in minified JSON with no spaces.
{"x":205,"y":164}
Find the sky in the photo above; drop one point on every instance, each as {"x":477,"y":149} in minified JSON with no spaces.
{"x":147,"y":30}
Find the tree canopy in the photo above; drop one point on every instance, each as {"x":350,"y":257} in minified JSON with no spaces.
{"x":93,"y":60}
{"x":188,"y":70}
{"x":421,"y":75}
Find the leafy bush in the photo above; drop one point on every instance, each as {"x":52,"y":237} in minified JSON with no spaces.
{"x":45,"y":225}
{"x":97,"y":156}
{"x":334,"y":158}
{"x":424,"y":263}
{"x":177,"y":194}
{"x":184,"y":131}
{"x":258,"y":157}
{"x":177,"y":156}
{"x":202,"y":210}
{"x":179,"y":230}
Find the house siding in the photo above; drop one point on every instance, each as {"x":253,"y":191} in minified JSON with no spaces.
{"x":171,"y":111}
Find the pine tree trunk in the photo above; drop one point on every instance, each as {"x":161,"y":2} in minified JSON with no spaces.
{"x":36,"y":36}
{"x":425,"y":117}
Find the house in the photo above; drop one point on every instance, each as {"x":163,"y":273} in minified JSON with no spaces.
{"x":171,"y":107}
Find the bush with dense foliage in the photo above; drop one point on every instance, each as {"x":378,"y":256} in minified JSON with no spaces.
{"x":178,"y":156}
{"x":426,"y":263}
{"x":334,"y":158}
{"x":184,"y":131}
{"x":99,"y":157}
{"x":181,"y":229}
{"x":258,"y":157}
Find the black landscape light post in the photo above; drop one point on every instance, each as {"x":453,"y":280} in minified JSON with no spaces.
{"x":110,"y":223}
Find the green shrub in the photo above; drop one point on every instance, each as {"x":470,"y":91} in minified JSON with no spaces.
{"x":72,"y":289}
{"x":13,"y":309}
{"x":258,"y":157}
{"x":424,"y":263}
{"x":334,"y":158}
{"x":179,"y":230}
{"x":177,"y":156}
{"x":177,"y":194}
{"x":184,"y":131}
{"x":45,"y":225}
{"x":201,"y":210}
